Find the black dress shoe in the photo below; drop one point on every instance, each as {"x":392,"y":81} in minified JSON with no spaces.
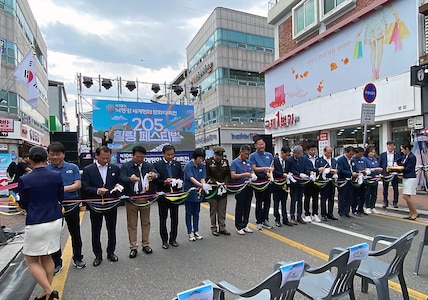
{"x":112,"y":257}
{"x":54,"y":295}
{"x":301,"y":221}
{"x":97,"y":261}
{"x":133,"y":253}
{"x":147,"y":250}
{"x":293,"y":221}
{"x":331,"y":217}
{"x":173,"y":243}
{"x":286,"y":222}
{"x":224,"y":232}
{"x":41,"y":298}
{"x":165,"y":245}
{"x":215,"y":233}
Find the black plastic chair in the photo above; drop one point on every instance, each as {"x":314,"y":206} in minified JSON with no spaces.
{"x":218,"y":293}
{"x":270,"y":288}
{"x":378,"y":272}
{"x":421,"y":249}
{"x":321,"y":283}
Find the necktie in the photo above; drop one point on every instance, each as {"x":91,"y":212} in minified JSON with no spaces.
{"x":140,"y":183}
{"x":283,"y":164}
{"x":169,"y":169}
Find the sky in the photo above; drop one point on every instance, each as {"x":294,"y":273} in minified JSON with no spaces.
{"x":142,"y":40}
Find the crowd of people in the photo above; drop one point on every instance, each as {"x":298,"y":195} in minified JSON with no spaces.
{"x":311,"y":181}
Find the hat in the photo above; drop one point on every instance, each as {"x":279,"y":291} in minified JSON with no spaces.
{"x":218,"y":150}
{"x":38,"y":154}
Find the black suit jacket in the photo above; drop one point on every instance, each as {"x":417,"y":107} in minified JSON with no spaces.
{"x":92,"y":181}
{"x":160,"y":168}
{"x":383,"y":160}
{"x":279,"y":171}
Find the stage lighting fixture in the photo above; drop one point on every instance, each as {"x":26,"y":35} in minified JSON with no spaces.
{"x":178,"y":89}
{"x":155,"y":87}
{"x":194,"y":91}
{"x":87,"y":81}
{"x":131,"y":85}
{"x":106,"y":83}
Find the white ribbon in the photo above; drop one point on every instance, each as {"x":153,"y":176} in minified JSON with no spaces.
{"x":221,"y":189}
{"x":360,"y":178}
{"x":303,"y":176}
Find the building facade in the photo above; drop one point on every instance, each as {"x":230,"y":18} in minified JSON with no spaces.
{"x":224,"y":59}
{"x":342,"y":72}
{"x":22,"y":126}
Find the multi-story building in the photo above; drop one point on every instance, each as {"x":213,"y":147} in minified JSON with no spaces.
{"x":224,"y":59}
{"x":333,"y":56}
{"x":22,"y":125}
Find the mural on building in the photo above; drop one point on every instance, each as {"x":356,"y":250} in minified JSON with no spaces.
{"x":149,"y":124}
{"x":420,"y":150}
{"x":377,"y":47}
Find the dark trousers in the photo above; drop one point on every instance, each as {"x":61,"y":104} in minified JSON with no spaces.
{"x":327,"y":199}
{"x":296,"y":191}
{"x":262,"y":205}
{"x":311,"y":191}
{"x":371,"y":195}
{"x":394,"y":183}
{"x":73,"y":223}
{"x":96,"y":225}
{"x":192,"y":216}
{"x":242,"y":207}
{"x":345,"y":198}
{"x":164,"y":206}
{"x":359,"y":199}
{"x":279,"y":198}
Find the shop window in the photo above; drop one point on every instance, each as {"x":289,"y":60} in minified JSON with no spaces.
{"x":305,"y":18}
{"x":332,"y":9}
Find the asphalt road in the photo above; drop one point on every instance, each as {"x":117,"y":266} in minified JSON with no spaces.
{"x":242,"y":260}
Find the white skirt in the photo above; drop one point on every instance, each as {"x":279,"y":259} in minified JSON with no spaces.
{"x":42,"y":239}
{"x":409,"y":186}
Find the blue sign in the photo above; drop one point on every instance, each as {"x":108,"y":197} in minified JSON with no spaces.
{"x":369,"y":93}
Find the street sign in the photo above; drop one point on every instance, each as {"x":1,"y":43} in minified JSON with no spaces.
{"x":369,"y":93}
{"x":368,"y":113}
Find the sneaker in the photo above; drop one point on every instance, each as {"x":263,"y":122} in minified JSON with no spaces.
{"x":315,"y":218}
{"x":267,"y":225}
{"x":307,"y":219}
{"x":259,"y":227}
{"x":278,"y":224}
{"x":367,"y":211}
{"x":58,"y":269}
{"x":198,"y":236}
{"x":248,"y":230}
{"x":240,"y":231}
{"x":79,"y":264}
{"x":374,"y":211}
{"x":192,"y":237}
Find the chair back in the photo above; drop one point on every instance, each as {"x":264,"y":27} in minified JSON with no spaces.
{"x":273,"y":284}
{"x":345,"y":273}
{"x":425,"y":241}
{"x":401,"y":246}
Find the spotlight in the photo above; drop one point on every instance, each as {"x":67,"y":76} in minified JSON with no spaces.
{"x":194,"y":91}
{"x":106,"y":83}
{"x":131,"y":85}
{"x":155,"y":88}
{"x":87,"y":81}
{"x":178,"y":89}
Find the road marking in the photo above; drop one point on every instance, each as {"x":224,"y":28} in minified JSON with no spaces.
{"x":393,"y":285}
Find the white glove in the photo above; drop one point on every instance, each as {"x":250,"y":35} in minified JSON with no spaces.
{"x":324,"y":173}
{"x":313,"y":177}
{"x":207,"y":188}
{"x":270,"y":176}
{"x":367,"y":171}
{"x":177,"y":183}
{"x":118,"y":188}
{"x":221,"y":189}
{"x":290,"y":178}
{"x":360,"y":179}
{"x":303,"y":176}
{"x":335,"y":176}
{"x":253,"y":177}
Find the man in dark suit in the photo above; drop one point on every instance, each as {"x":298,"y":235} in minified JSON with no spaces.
{"x":168,"y":169}
{"x":387,"y":159}
{"x":280,"y":193}
{"x":345,"y":172}
{"x":98,"y":180}
{"x":132,"y":175}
